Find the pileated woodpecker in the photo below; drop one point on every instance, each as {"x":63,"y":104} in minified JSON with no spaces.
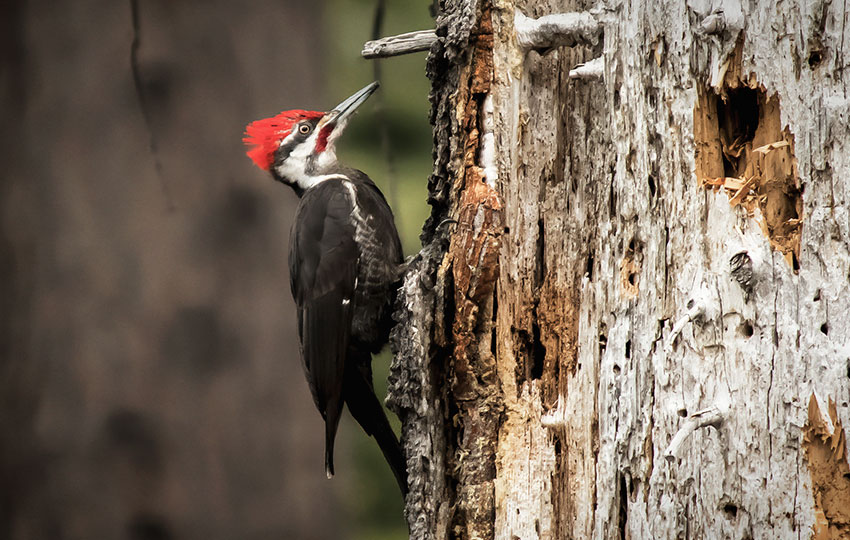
{"x":344,"y":262}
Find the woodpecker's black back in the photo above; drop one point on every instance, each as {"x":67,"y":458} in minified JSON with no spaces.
{"x":345,"y":259}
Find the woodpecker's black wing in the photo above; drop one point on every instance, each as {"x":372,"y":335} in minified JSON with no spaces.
{"x":323,"y":270}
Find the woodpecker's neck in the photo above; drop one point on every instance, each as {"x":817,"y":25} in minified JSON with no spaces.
{"x":302,"y":173}
{"x":304,"y":168}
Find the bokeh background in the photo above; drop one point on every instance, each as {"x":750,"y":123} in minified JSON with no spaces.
{"x":150,"y":386}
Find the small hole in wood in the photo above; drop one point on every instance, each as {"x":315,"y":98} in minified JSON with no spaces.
{"x":651,"y":181}
{"x":731,"y":510}
{"x":632,"y":278}
{"x":815,"y":58}
{"x":725,"y":134}
{"x":629,"y":348}
{"x":540,"y":270}
{"x":623,"y":517}
{"x":538,"y":353}
{"x":682,"y":412}
{"x":616,"y":369}
{"x":588,"y":269}
{"x":824,"y":329}
{"x":690,"y":304}
{"x":738,"y":116}
{"x":603,"y":343}
{"x":817,"y":296}
{"x":746,"y":329}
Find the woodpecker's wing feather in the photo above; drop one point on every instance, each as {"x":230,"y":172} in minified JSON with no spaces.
{"x":323,"y":270}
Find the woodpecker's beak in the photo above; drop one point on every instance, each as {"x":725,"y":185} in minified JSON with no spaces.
{"x":340,"y":114}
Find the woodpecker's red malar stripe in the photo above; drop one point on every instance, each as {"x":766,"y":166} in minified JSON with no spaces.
{"x":322,"y":139}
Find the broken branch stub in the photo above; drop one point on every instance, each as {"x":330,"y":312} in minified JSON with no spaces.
{"x":410,"y":42}
{"x":592,"y":70}
{"x":556,"y":30}
{"x":713,"y":416}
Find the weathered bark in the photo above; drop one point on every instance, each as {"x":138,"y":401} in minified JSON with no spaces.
{"x":662,"y":249}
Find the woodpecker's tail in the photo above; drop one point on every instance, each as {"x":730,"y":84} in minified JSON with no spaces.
{"x":367,"y":410}
{"x":329,"y":450}
{"x":331,"y":422}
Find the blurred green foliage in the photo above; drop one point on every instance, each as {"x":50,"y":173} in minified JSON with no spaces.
{"x":399,"y":161}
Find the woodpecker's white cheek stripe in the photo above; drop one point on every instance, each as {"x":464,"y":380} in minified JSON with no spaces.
{"x":295,"y":168}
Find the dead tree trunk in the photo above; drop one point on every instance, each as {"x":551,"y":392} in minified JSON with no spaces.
{"x":630,"y":315}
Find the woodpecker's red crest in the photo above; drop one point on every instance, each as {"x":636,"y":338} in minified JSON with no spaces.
{"x":265,"y":135}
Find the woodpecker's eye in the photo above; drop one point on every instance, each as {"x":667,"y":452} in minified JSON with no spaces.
{"x":304,"y":129}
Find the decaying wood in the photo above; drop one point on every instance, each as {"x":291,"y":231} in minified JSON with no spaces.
{"x":825,"y":443}
{"x":620,"y":252}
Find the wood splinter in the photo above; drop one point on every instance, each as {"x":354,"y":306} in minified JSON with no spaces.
{"x":592,"y":70}
{"x":555,"y":30}
{"x":410,"y":42}
{"x":712,"y":416}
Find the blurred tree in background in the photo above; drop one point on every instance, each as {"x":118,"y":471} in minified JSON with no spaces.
{"x":150,"y":381}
